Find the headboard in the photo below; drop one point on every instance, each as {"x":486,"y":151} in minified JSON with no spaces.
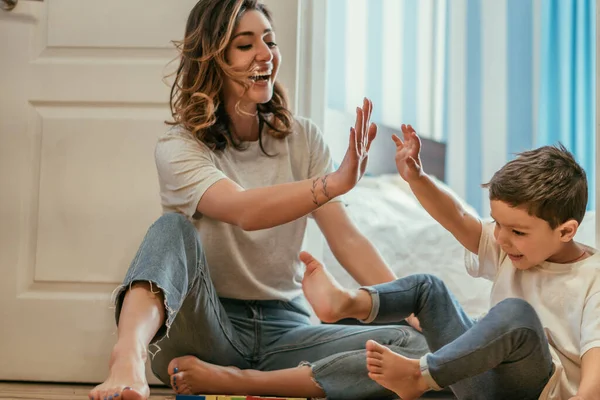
{"x":381,"y":154}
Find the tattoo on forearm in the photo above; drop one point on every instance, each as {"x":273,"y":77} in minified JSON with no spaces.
{"x":324,"y":182}
{"x":313,"y":190}
{"x":315,"y":193}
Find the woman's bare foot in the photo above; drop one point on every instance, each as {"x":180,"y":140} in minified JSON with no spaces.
{"x":399,"y":374}
{"x":189,"y":375}
{"x":330,"y":301}
{"x":126,"y":378}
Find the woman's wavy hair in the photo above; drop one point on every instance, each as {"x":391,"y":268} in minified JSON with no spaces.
{"x":196,"y":101}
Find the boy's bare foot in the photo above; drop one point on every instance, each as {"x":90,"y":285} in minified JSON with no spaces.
{"x":189,"y":375}
{"x":126,"y":378}
{"x":328,"y":299}
{"x":399,"y":374}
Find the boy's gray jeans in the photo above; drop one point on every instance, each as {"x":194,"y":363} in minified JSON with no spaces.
{"x":261,"y":335}
{"x":503,"y":356}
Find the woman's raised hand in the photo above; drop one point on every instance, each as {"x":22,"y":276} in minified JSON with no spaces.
{"x":354,"y":164}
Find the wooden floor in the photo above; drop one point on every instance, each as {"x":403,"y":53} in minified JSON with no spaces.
{"x":38,"y":391}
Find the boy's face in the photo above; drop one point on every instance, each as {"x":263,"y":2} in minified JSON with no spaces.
{"x":528,"y":240}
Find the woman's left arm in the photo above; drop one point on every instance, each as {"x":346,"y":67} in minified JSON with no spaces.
{"x":351,"y":248}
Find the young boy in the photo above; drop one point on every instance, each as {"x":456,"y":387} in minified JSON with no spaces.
{"x":540,"y":339}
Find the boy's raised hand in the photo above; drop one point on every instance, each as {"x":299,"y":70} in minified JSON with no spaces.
{"x":408,"y":154}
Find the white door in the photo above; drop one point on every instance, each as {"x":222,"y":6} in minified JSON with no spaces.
{"x":82,"y":101}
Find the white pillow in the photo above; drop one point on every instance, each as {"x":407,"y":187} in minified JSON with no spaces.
{"x":397,"y":181}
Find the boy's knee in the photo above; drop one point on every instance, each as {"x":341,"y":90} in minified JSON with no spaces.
{"x":516,"y":307}
{"x":517,"y":313}
{"x":432,"y":282}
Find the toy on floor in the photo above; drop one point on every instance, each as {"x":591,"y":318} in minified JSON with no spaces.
{"x":223,"y":397}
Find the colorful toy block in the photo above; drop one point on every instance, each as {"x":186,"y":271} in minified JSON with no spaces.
{"x":224,"y":397}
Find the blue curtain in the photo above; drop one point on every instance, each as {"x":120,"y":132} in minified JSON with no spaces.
{"x":506,"y":76}
{"x":568,"y":81}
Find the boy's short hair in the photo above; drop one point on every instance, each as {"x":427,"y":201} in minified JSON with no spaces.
{"x":546,"y":181}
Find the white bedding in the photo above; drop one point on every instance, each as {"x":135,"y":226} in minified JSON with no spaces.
{"x":386,"y":211}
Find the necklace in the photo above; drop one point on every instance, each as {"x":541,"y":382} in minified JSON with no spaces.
{"x":238,"y":109}
{"x":578,"y":258}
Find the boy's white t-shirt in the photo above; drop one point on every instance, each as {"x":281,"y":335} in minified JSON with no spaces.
{"x":566,"y":298}
{"x":256,"y":265}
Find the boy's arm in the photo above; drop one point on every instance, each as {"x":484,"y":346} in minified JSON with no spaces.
{"x":589,"y":385}
{"x":446,"y":210}
{"x":439,"y":204}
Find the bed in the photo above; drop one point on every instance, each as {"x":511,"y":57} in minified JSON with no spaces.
{"x":386,"y":211}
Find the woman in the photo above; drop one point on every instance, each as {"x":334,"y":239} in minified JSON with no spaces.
{"x":217,"y":283}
